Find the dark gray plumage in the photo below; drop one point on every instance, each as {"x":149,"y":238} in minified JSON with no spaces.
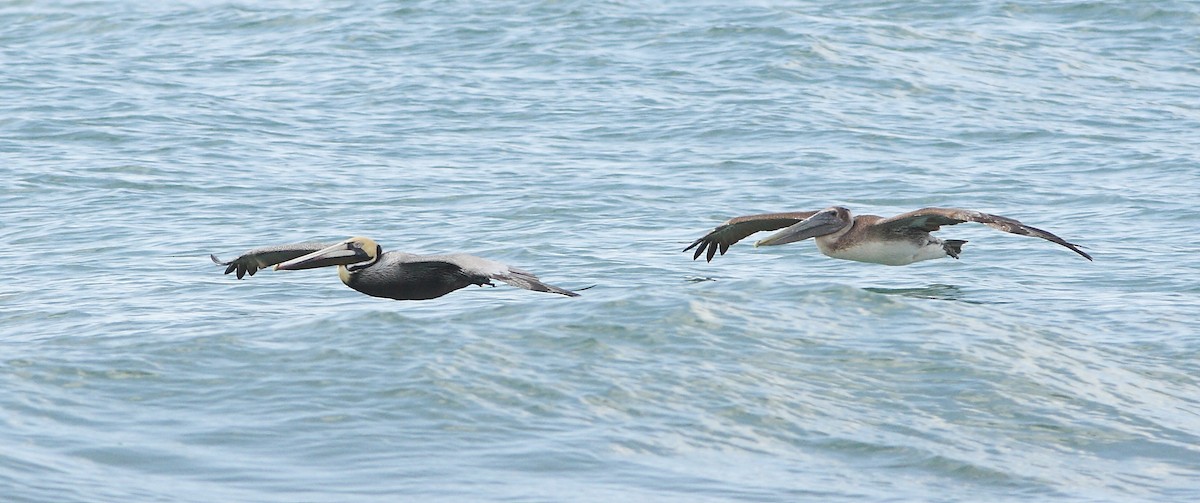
{"x":365,"y":267}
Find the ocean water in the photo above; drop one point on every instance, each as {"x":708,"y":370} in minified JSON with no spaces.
{"x":589,"y":142}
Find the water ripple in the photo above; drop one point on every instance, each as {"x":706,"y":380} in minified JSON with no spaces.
{"x":590,"y":142}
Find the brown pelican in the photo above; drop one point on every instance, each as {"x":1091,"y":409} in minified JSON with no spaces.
{"x":899,"y":240}
{"x":365,"y":267}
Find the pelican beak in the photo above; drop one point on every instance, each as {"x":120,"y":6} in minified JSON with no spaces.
{"x":344,"y":253}
{"x":825,"y":222}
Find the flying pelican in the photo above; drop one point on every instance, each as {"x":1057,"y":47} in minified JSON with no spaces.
{"x":363,"y":266}
{"x":899,"y":240}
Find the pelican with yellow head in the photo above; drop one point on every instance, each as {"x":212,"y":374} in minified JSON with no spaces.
{"x":364,"y":266}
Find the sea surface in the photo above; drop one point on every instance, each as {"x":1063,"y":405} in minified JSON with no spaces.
{"x":590,"y":142}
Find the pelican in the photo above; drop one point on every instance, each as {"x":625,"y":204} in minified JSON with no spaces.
{"x":363,"y":266}
{"x":899,"y":240}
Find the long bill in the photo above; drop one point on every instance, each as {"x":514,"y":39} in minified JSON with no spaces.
{"x":825,"y":222}
{"x":344,"y":253}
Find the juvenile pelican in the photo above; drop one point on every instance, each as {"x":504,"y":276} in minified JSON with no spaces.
{"x":365,"y":267}
{"x":899,"y":240}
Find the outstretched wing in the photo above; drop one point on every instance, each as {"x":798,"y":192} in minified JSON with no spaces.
{"x":267,"y":256}
{"x":490,"y":269}
{"x":523,"y":279}
{"x":931,"y":219}
{"x":736,"y":229}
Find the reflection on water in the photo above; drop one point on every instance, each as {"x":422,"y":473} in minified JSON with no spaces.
{"x":935,"y":291}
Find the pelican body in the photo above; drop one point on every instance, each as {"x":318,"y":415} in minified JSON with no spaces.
{"x":900,"y":240}
{"x":364,"y":266}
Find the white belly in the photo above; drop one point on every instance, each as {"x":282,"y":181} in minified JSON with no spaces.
{"x":902,"y":252}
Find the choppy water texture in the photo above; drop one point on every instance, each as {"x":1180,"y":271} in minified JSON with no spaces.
{"x":589,"y":142}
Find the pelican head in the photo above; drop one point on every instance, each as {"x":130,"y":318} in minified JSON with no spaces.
{"x":827,"y":221}
{"x":354,"y":254}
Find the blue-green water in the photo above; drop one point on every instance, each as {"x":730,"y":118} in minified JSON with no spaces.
{"x":589,"y":142}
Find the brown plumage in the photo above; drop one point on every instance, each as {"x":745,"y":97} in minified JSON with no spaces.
{"x":899,"y":240}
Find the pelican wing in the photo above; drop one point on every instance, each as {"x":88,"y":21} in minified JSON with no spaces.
{"x":736,"y":229}
{"x":931,"y":219}
{"x":267,"y":256}
{"x":490,"y":269}
{"x":522,"y":279}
